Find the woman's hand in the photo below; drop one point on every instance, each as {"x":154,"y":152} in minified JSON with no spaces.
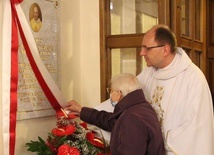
{"x":73,"y":107}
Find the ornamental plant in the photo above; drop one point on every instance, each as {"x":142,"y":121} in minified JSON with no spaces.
{"x":69,"y":138}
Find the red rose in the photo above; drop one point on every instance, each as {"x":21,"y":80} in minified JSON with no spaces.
{"x":66,"y":149}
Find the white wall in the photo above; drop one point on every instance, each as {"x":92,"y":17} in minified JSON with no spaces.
{"x":90,"y":52}
{"x":80,"y":59}
{"x":80,"y":66}
{"x":1,"y":13}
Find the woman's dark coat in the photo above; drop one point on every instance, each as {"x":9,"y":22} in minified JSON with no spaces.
{"x":134,"y":126}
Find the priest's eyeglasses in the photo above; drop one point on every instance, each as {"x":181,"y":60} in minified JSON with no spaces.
{"x":108,"y":90}
{"x":144,"y":48}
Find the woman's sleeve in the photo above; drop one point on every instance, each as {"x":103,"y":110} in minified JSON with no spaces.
{"x":98,"y":118}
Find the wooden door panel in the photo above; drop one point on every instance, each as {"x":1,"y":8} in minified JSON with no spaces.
{"x":210,"y":45}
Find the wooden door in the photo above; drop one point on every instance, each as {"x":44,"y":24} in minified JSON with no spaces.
{"x":210,"y":45}
{"x":122,"y":27}
{"x":188,"y":21}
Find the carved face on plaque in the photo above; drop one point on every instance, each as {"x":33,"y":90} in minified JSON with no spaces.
{"x":35,"y":17}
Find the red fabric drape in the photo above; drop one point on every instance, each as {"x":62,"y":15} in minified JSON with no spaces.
{"x":13,"y":85}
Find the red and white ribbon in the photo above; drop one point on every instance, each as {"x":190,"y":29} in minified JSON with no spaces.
{"x":14,"y":23}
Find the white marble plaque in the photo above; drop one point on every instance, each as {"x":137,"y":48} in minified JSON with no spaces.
{"x":43,"y":19}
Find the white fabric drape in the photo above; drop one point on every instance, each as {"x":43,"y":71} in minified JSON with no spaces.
{"x":5,"y":75}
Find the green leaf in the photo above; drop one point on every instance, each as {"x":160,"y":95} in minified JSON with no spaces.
{"x":39,"y":146}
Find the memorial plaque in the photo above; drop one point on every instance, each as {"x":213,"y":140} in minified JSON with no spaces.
{"x":43,"y":19}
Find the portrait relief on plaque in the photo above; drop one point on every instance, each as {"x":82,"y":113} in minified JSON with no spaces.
{"x":43,"y":19}
{"x":35,"y":17}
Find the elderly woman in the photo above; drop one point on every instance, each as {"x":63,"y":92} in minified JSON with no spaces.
{"x":134,"y":126}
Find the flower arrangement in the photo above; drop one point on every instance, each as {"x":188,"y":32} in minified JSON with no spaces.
{"x":69,"y":138}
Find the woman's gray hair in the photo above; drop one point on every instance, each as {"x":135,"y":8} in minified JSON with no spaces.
{"x":125,"y":82}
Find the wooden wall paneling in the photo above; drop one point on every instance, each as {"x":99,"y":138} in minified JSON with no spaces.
{"x":210,"y":45}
